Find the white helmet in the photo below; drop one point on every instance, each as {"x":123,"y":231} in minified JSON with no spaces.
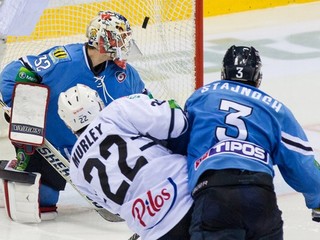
{"x":110,"y":32}
{"x":78,"y":106}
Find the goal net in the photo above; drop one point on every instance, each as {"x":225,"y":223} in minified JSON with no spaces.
{"x":167,"y":42}
{"x":167,"y":32}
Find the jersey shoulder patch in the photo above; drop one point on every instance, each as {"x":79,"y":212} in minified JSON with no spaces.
{"x":59,"y":54}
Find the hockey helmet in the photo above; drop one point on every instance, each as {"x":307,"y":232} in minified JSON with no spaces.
{"x":242,"y":64}
{"x":78,"y":106}
{"x":109,"y":32}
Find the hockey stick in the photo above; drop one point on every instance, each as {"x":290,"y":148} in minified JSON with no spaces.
{"x":61,"y":165}
{"x":134,"y":237}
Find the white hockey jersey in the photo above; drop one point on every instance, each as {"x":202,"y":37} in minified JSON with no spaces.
{"x":119,"y":163}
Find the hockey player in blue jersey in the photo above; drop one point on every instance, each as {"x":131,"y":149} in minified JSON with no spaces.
{"x":98,"y":63}
{"x":238,"y":133}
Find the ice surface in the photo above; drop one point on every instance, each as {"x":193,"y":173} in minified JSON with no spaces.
{"x":288,"y":40}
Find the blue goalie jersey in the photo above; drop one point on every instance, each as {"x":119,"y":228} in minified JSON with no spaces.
{"x":61,"y":68}
{"x":234,"y":125}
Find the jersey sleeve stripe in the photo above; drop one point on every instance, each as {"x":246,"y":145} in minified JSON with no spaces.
{"x":296,"y":144}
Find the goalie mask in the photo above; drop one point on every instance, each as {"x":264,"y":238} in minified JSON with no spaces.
{"x":242,"y":64}
{"x":78,"y":106}
{"x":110,"y":32}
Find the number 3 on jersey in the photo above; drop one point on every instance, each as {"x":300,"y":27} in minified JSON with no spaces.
{"x":234,"y":119}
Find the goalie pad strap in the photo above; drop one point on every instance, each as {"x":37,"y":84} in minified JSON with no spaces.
{"x":22,"y":200}
{"x":7,"y":173}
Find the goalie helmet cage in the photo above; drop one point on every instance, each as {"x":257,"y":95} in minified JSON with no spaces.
{"x":169,"y":34}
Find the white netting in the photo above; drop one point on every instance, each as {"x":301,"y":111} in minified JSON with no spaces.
{"x":167,"y":43}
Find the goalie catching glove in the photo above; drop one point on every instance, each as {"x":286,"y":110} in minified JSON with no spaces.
{"x":21,"y":196}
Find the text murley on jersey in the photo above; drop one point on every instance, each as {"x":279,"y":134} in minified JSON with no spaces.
{"x":245,"y":91}
{"x":89,"y":139}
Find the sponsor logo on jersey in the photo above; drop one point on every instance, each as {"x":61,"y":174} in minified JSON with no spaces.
{"x":120,"y":76}
{"x":26,"y":78}
{"x":25,"y":75}
{"x":22,"y":75}
{"x":237,"y":147}
{"x":151,"y":209}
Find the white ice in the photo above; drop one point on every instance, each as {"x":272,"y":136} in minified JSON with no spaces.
{"x":288,"y":40}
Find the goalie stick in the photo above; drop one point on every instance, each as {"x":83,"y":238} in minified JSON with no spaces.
{"x":61,"y":165}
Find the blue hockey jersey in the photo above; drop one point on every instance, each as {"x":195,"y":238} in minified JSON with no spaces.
{"x":62,"y":67}
{"x":235,"y":125}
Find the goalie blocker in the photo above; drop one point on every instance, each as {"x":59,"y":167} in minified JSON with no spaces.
{"x":27,"y":120}
{"x":27,"y":128}
{"x":21,"y":195}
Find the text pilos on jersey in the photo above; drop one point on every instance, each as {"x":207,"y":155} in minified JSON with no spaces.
{"x":274,"y":104}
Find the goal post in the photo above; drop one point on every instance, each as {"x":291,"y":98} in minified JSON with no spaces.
{"x":199,"y":45}
{"x":169,"y":34}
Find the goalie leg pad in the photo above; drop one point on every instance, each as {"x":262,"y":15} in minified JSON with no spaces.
{"x":1,"y":197}
{"x":22,"y":200}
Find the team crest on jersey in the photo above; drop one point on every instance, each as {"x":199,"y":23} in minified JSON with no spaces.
{"x":120,"y":76}
{"x":149,"y":210}
{"x":59,"y":54}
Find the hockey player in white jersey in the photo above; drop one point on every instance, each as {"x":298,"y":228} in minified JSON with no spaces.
{"x":119,"y":161}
